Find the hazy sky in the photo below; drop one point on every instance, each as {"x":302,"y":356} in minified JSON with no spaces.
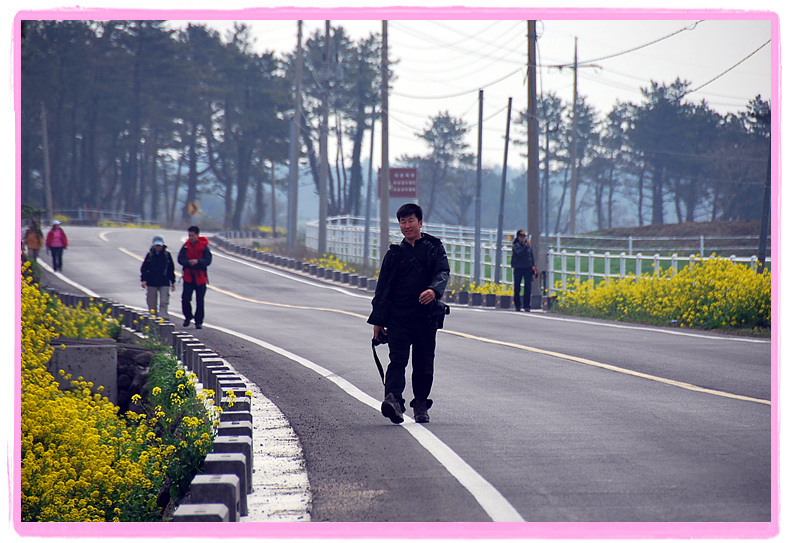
{"x":444,"y":55}
{"x":442,"y":63}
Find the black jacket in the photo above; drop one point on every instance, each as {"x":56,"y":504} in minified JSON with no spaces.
{"x":522,"y":256}
{"x":158,"y":269}
{"x":438,"y":271}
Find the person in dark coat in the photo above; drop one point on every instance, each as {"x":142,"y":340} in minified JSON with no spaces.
{"x":195,"y":257}
{"x":406,"y":313}
{"x":158,"y":277}
{"x":523,"y":263}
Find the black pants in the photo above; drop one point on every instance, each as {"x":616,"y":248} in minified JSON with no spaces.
{"x":518,"y":275}
{"x":186,"y":301}
{"x":57,"y":258}
{"x":418,"y":334}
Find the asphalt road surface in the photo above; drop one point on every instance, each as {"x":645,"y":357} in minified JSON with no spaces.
{"x":537,"y":417}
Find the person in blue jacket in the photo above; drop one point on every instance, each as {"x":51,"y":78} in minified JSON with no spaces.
{"x":523,"y":262}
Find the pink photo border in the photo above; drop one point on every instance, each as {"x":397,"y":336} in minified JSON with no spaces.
{"x":446,"y":531}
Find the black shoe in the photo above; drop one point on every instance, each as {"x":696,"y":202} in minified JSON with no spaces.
{"x":526,"y":309}
{"x":186,"y":323}
{"x":392,"y":409}
{"x":420,"y":411}
{"x":198,"y":326}
{"x":518,"y":309}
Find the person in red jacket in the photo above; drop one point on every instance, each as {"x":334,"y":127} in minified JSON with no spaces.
{"x":195,"y":258}
{"x":56,"y":243}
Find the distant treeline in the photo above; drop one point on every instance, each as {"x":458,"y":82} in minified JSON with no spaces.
{"x":139,"y":117}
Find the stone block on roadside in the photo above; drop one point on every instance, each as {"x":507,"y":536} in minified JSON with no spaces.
{"x":202,"y":512}
{"x":235,"y":463}
{"x":218,"y":488}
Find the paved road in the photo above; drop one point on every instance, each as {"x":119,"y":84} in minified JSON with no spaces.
{"x":536,"y":417}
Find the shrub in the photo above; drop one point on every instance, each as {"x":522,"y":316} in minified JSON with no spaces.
{"x":182,"y":418}
{"x":711,"y":293}
{"x":333,"y":263}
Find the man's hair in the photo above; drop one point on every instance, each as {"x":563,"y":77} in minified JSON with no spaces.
{"x":194,"y":229}
{"x":520,"y":232}
{"x":406,"y":210}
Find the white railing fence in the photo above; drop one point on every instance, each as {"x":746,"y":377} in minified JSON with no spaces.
{"x":345,"y":238}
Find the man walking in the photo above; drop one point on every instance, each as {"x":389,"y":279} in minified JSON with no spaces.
{"x":158,"y":277}
{"x":406,"y":313}
{"x":195,"y":258}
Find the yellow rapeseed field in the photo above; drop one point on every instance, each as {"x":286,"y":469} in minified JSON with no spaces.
{"x":81,"y":462}
{"x":713,"y":293}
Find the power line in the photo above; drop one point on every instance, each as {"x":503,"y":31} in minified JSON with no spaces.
{"x":631,"y":50}
{"x":730,"y":68}
{"x":461,"y":93}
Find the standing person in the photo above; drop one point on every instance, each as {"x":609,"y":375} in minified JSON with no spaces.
{"x":158,"y":277}
{"x":523,"y":263}
{"x":195,"y":257}
{"x":407,"y":312}
{"x":57,"y":242}
{"x":34,"y":240}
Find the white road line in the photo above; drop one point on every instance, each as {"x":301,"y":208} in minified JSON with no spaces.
{"x":517,"y":315}
{"x":292,"y":277}
{"x":489,"y":498}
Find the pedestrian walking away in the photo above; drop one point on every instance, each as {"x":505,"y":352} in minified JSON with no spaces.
{"x":34,"y":240}
{"x":407,"y":311}
{"x":158,"y":277}
{"x":195,"y":258}
{"x":56,"y":243}
{"x":523,"y":262}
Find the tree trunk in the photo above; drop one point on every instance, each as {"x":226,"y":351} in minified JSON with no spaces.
{"x":657,"y":216}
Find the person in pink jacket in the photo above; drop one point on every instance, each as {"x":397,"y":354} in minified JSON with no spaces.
{"x":56,"y":242}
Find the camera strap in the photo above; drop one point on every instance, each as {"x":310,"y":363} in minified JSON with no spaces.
{"x":377,"y":361}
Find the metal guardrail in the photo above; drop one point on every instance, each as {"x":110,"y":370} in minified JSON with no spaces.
{"x":93,"y":216}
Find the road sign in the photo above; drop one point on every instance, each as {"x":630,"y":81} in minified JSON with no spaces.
{"x":403,"y":183}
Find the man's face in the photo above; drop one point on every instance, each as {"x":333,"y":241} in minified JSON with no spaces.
{"x":410,"y":228}
{"x":193,"y":237}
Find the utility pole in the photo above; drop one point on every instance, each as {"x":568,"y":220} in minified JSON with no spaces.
{"x":766,"y":215}
{"x":533,"y":160}
{"x":574,"y":140}
{"x":384,"y":185}
{"x":47,"y":167}
{"x":324,"y":136}
{"x":501,"y":222}
{"x":478,"y":190}
{"x":293,"y":179}
{"x":366,"y":251}
{"x":274,"y":201}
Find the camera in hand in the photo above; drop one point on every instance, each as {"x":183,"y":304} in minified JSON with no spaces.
{"x":380,"y":339}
